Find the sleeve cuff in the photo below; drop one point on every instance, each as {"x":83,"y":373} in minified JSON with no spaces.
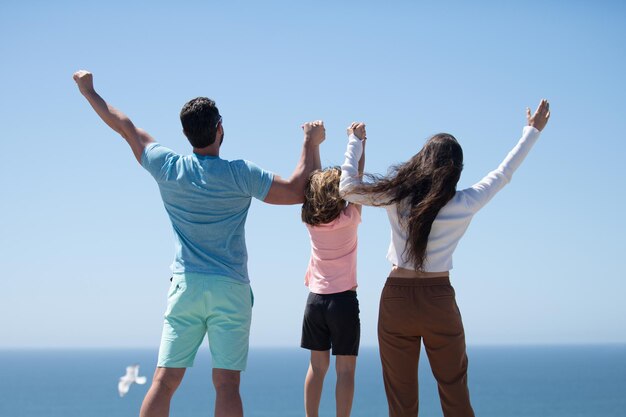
{"x":268,"y":185}
{"x":530,"y":130}
{"x":144,"y":153}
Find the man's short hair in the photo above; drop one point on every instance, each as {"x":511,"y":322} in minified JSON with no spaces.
{"x":200,"y":118}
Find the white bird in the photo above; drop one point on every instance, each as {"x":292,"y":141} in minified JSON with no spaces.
{"x":132,"y":375}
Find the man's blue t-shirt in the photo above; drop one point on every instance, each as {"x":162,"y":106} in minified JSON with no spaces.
{"x":207,"y":199}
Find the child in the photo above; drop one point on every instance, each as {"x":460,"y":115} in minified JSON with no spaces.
{"x":428,"y":217}
{"x":331,"y":316}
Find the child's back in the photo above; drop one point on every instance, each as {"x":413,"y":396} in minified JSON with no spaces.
{"x":332,"y":266}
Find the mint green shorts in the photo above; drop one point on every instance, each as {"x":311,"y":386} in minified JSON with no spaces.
{"x":199,"y":304}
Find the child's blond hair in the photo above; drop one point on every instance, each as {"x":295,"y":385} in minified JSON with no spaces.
{"x":322,"y":203}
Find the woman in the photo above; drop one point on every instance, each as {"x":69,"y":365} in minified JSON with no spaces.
{"x":428,"y":217}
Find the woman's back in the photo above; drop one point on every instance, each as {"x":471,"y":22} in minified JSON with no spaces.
{"x":452,"y":220}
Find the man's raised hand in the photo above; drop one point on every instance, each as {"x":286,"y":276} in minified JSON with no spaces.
{"x":314,"y":132}
{"x":84,"y":80}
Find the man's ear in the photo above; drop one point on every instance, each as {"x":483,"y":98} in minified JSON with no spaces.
{"x":220,"y":133}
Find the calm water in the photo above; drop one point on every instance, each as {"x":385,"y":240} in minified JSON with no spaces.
{"x":574,"y":381}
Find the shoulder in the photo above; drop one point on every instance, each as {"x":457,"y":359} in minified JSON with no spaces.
{"x":351,"y":212}
{"x":349,"y":215}
{"x":460,"y":196}
{"x":251,"y":178}
{"x":243,"y":166}
{"x":252,"y":170}
{"x":156,"y":152}
{"x":157,"y":147}
{"x":463,"y":201}
{"x":158,"y":159}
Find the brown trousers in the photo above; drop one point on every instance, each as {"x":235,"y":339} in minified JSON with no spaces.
{"x":412,"y":309}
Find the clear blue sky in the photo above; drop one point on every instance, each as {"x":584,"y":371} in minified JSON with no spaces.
{"x":86,"y":245}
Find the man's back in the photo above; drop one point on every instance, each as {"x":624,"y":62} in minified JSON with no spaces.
{"x":207,"y":199}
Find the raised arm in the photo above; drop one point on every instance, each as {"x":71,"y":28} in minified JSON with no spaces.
{"x":358,"y":130}
{"x":352,"y":169}
{"x":480,"y":193}
{"x":137,"y":138}
{"x":291,"y":191}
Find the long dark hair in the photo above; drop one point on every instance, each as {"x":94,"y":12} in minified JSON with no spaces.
{"x":420,"y":187}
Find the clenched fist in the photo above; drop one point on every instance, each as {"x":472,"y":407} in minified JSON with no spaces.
{"x":84,"y":80}
{"x":357,"y":129}
{"x":314,"y":132}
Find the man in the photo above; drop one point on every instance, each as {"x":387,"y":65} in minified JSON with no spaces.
{"x":207,"y":199}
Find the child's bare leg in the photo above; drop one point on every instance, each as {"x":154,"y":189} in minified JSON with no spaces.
{"x":344,"y":392}
{"x":315,"y":381}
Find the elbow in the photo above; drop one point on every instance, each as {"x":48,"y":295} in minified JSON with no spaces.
{"x":128,"y":130}
{"x":296,"y":192}
{"x":125,"y":135}
{"x":284,"y":199}
{"x":345,"y":193}
{"x":297,"y":199}
{"x":345,"y":186}
{"x":285,"y":193}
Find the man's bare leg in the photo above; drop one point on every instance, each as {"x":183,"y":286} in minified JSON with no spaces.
{"x":344,"y":391}
{"x":164,"y":384}
{"x":227,"y":398}
{"x":314,"y":381}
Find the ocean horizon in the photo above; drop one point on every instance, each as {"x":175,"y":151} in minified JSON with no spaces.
{"x":504,"y":380}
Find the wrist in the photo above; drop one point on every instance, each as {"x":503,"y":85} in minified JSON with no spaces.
{"x":87,"y":91}
{"x":310,"y":142}
{"x":530,"y":130}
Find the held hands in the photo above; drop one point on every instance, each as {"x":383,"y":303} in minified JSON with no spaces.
{"x":357,"y":129}
{"x":84,"y":80}
{"x":541,"y":116}
{"x":314,"y":132}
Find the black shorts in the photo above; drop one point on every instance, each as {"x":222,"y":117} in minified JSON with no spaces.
{"x":332,"y":320}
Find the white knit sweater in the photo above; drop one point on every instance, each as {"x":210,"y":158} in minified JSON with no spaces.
{"x":453,"y":219}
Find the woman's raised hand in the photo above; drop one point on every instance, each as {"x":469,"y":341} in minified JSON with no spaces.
{"x":357,"y":129}
{"x":539,"y":120}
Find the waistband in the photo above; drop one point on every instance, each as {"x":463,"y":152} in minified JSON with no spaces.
{"x":347,"y":293}
{"x":399,"y":272}
{"x":197,"y":276}
{"x":418,"y":282}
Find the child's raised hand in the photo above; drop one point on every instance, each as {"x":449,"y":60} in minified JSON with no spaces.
{"x":541,"y":116}
{"x":357,"y":129}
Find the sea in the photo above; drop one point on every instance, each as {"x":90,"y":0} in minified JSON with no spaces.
{"x":505,"y":381}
